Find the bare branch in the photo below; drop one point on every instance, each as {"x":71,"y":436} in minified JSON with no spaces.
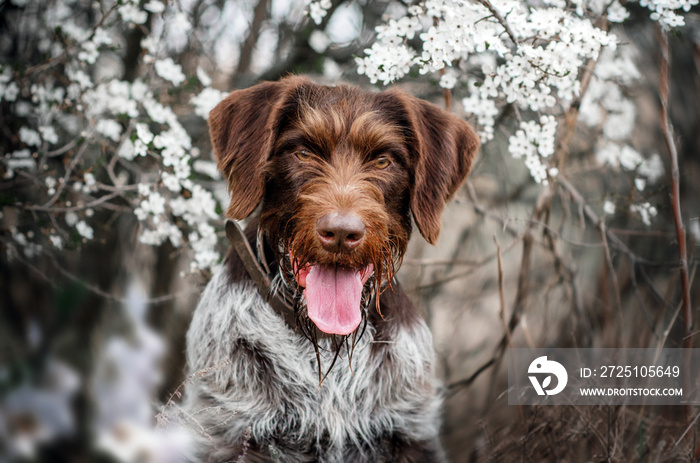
{"x":500,"y":19}
{"x":675,"y":187}
{"x":502,"y":292}
{"x":260,"y":14}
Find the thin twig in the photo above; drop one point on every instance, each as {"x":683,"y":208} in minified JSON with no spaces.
{"x":454,"y":387}
{"x":89,"y":286}
{"x":502,"y":292}
{"x":64,"y":181}
{"x":596,"y":221}
{"x":90,"y":205}
{"x":613,"y":276}
{"x":690,"y":426}
{"x":662,"y":341}
{"x":500,"y":19}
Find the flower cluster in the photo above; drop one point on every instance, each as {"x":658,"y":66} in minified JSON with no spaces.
{"x":390,"y":58}
{"x":528,"y":57}
{"x":666,"y":11}
{"x":318,"y":9}
{"x":606,"y":108}
{"x":535,"y":142}
{"x":112,"y":133}
{"x":645,"y":211}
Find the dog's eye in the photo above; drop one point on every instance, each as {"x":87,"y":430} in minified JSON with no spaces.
{"x":303,"y":155}
{"x":382,"y":162}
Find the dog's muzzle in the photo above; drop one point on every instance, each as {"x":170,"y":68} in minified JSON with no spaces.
{"x":333,"y":292}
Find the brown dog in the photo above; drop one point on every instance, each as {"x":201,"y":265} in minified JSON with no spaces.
{"x":337,"y":173}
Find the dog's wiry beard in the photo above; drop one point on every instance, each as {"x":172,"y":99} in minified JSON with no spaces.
{"x":385,"y":261}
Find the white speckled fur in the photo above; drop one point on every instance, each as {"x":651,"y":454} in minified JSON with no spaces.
{"x":256,"y":372}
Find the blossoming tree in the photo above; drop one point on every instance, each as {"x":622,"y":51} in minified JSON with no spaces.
{"x":103,"y":108}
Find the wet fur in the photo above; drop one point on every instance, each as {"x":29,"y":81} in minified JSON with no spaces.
{"x":257,"y":389}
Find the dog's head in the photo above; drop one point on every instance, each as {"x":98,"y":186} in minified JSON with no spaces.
{"x":339,"y":172}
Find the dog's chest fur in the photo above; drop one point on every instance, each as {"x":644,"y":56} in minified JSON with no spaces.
{"x":255,"y":373}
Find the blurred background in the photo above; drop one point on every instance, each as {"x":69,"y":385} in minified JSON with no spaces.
{"x":110,"y":220}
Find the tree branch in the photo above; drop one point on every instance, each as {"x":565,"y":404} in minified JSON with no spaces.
{"x":675,"y":187}
{"x":260,"y":14}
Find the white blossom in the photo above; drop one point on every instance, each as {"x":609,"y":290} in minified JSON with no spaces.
{"x":130,"y":12}
{"x":158,"y":112}
{"x":101,"y":37}
{"x":171,"y":182}
{"x":84,"y":230}
{"x":541,"y":54}
{"x":20,"y":159}
{"x":109,"y":128}
{"x":169,"y":70}
{"x":617,"y":13}
{"x":202,"y":242}
{"x":151,"y":44}
{"x":485,"y":111}
{"x":385,"y":62}
{"x":79,"y":77}
{"x":153,"y":204}
{"x":50,"y":183}
{"x":448,"y":79}
{"x":112,"y":98}
{"x":645,"y":210}
{"x":5,"y":75}
{"x":695,"y":229}
{"x":89,"y":52}
{"x":319,"y":41}
{"x":206,"y":101}
{"x":203,"y":77}
{"x":665,"y":11}
{"x":29,"y":137}
{"x":9,"y":92}
{"x":154,"y":6}
{"x":57,"y":241}
{"x":127,"y":150}
{"x":144,"y":189}
{"x":143,"y":133}
{"x":90,"y":182}
{"x":533,"y":142}
{"x":71,"y":218}
{"x":609,"y":207}
{"x":629,"y":159}
{"x":652,"y":168}
{"x":208,"y":168}
{"x":318,"y":9}
{"x":177,"y":31}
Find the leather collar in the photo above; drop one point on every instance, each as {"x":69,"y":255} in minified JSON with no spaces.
{"x":259,"y":272}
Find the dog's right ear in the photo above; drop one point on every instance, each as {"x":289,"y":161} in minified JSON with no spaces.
{"x":243,"y":128}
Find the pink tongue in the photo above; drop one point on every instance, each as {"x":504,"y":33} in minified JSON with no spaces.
{"x":333,"y":298}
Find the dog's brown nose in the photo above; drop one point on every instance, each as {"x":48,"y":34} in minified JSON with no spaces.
{"x":340,"y":231}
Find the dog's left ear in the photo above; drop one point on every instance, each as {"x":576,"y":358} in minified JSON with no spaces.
{"x":243,"y":128}
{"x":442,"y":148}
